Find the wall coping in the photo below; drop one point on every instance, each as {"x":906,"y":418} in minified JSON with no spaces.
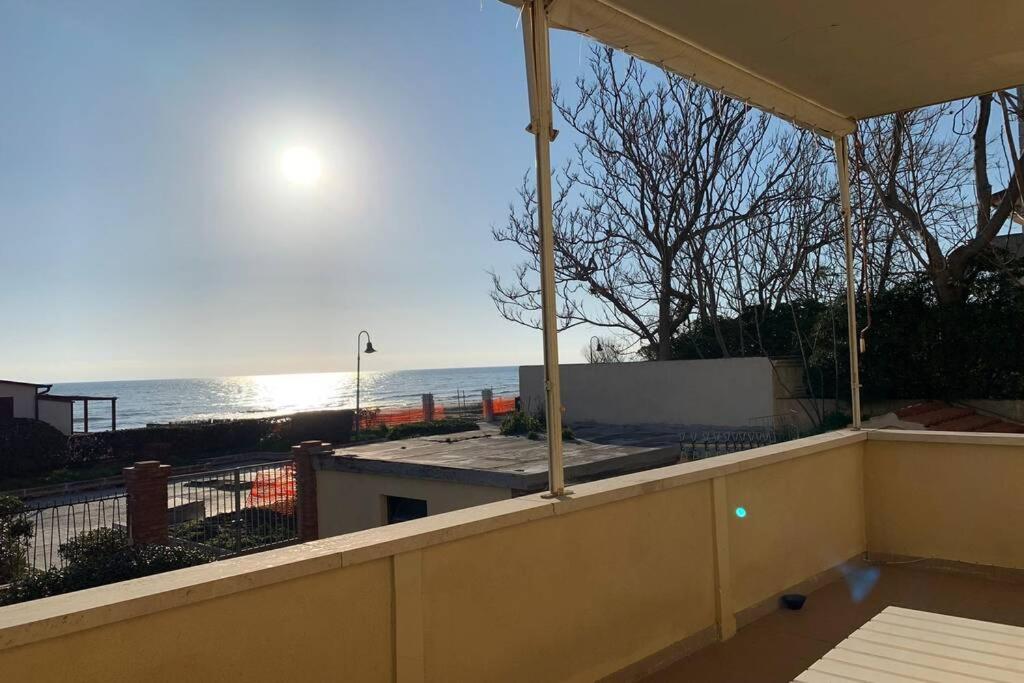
{"x":929,"y":436}
{"x":61,"y":615}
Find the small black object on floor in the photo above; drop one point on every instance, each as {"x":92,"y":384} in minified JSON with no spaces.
{"x":793,"y":601}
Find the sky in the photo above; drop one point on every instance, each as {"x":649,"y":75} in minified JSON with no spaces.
{"x":147,"y":229}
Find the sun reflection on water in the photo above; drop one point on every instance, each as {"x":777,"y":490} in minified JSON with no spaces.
{"x":299,"y":392}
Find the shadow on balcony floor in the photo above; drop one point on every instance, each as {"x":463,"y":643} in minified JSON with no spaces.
{"x":783,"y":644}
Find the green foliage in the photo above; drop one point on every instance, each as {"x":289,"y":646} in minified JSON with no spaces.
{"x":916,"y":348}
{"x":191,"y":440}
{"x":406,"y":431}
{"x":532,"y":426}
{"x":255,"y":528}
{"x":835,"y":420}
{"x":15,"y":535}
{"x":30,"y":446}
{"x":520,"y":423}
{"x":99,"y":557}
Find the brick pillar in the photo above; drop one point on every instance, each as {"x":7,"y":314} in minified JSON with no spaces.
{"x":488,"y":403}
{"x":428,"y":407}
{"x":146,"y":485}
{"x":305,"y":488}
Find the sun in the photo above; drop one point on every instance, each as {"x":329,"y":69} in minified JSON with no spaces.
{"x":301,"y":166}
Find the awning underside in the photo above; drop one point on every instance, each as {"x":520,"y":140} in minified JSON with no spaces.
{"x":821,"y":63}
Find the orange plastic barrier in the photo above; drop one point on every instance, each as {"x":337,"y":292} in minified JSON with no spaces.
{"x":395,"y":416}
{"x":374,"y":417}
{"x":504,"y":405}
{"x":274,"y":489}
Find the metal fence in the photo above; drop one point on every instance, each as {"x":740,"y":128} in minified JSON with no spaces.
{"x":237,"y":510}
{"x":700,"y":445}
{"x":54,"y":524}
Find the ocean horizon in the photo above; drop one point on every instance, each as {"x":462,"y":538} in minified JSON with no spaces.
{"x":146,"y":401}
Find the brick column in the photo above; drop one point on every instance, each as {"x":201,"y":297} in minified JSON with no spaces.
{"x":305,"y":488}
{"x":146,"y":485}
{"x":488,"y":405}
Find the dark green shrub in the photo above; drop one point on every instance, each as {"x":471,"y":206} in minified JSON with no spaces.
{"x":520,"y":423}
{"x":93,"y":547}
{"x":834,"y":420}
{"x":30,"y":446}
{"x":15,"y":534}
{"x":917,"y":348}
{"x":99,"y":557}
{"x":406,"y":431}
{"x":257,"y":527}
{"x":191,"y":441}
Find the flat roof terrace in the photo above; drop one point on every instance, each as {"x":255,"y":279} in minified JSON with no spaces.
{"x":487,"y":458}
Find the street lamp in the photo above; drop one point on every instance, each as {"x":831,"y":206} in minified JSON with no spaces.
{"x":359,"y":351}
{"x":599,"y":349}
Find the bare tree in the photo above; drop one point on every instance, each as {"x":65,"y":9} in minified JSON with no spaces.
{"x":609,"y":350}
{"x":936,"y":190}
{"x":661,"y":167}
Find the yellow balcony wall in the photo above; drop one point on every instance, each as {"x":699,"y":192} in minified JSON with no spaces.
{"x":625,"y":574}
{"x":956,"y":497}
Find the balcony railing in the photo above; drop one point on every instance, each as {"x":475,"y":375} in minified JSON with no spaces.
{"x":619,"y":578}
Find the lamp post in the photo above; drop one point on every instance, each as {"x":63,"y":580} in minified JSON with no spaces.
{"x":359,"y":351}
{"x":599,"y":349}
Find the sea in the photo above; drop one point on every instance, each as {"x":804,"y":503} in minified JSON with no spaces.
{"x":142,"y":402}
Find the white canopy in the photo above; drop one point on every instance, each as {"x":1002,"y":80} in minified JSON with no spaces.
{"x":822,"y":64}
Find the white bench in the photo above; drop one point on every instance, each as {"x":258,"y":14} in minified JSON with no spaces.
{"x":907,"y":646}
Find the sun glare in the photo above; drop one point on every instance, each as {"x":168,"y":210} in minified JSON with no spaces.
{"x":301,"y":166}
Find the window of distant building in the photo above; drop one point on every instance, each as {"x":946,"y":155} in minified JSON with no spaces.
{"x":403,"y":509}
{"x":6,"y":407}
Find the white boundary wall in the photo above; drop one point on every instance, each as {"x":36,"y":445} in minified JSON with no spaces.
{"x":727,"y":392}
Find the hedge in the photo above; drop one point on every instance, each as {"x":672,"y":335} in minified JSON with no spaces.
{"x":31,"y":447}
{"x":28,"y":446}
{"x":187,"y":441}
{"x":917,"y":348}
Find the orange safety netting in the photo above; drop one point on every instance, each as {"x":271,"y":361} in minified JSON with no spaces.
{"x":504,"y":405}
{"x":274,"y":489}
{"x":394,"y":416}
{"x":375,"y":417}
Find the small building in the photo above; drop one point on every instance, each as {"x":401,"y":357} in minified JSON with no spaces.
{"x":34,"y":401}
{"x":369,"y":486}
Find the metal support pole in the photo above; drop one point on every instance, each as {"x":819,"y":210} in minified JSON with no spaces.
{"x":538,"y":76}
{"x":358,"y":360}
{"x":359,"y":349}
{"x":113,"y":414}
{"x":843,"y":171}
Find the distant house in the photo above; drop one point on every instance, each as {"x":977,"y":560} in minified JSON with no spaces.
{"x":34,"y":401}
